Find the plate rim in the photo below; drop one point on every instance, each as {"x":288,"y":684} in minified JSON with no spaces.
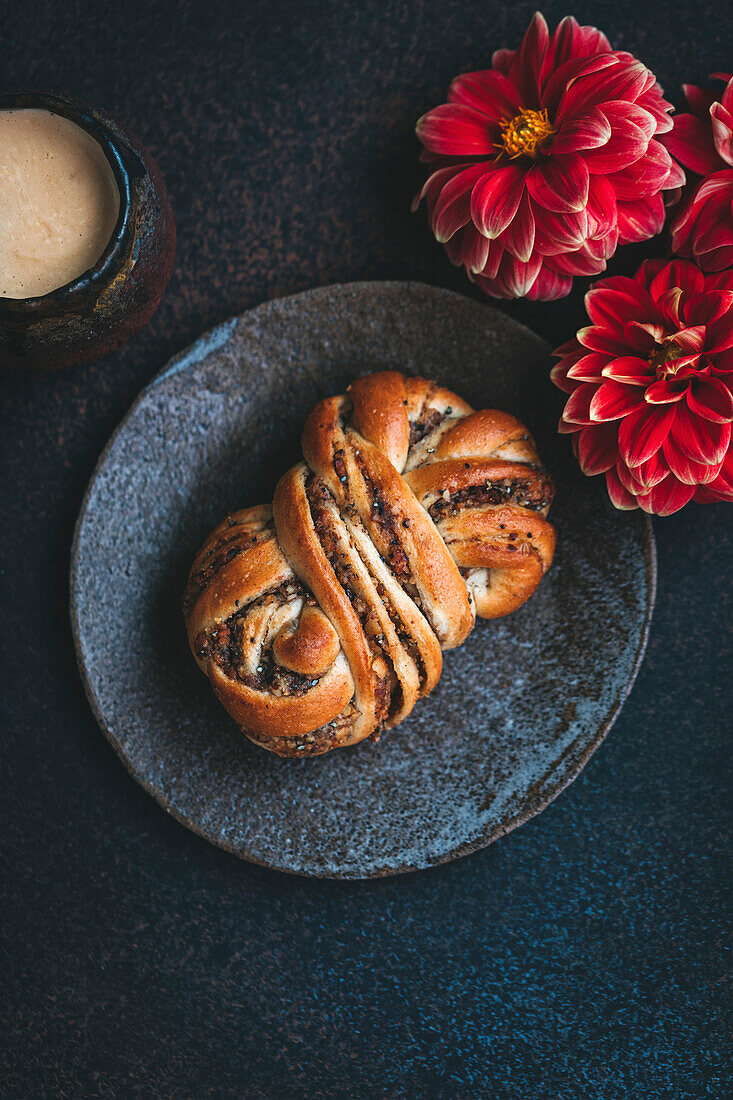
{"x":196,"y":352}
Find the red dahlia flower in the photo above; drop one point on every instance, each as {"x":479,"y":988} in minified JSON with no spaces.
{"x":543,"y":163}
{"x":703,"y":142}
{"x":651,"y":386}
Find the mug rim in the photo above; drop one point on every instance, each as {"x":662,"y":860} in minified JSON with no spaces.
{"x":105,"y":133}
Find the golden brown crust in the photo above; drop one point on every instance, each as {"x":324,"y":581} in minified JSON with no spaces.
{"x":322,"y":618}
{"x":309,"y":646}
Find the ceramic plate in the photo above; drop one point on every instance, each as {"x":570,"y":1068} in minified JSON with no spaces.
{"x":520,"y":706}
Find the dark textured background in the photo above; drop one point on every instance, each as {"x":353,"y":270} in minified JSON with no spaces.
{"x":583,"y":956}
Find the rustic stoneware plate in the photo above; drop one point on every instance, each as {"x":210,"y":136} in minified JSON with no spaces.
{"x":520,"y":706}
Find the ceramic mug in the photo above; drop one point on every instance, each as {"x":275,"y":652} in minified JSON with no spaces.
{"x":115,"y":298}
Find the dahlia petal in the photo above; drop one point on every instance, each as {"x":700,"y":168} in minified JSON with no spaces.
{"x":456,"y":130}
{"x":601,"y":249}
{"x":549,"y":285}
{"x":583,"y":261}
{"x":588,"y":367}
{"x":557,"y":86}
{"x":598,"y":339}
{"x":648,"y":270}
{"x":651,"y":84}
{"x":722,"y":365}
{"x":602,"y":208}
{"x":719,"y":332}
{"x":629,"y":369}
{"x":588,"y":130}
{"x":722,"y":132}
{"x":668,"y":497}
{"x":682,"y":225}
{"x":495,"y":199}
{"x":665,"y":392}
{"x":452,"y":208}
{"x":721,"y":487}
{"x":716,"y":260}
{"x":558,"y":376}
{"x":569,"y":41}
{"x":434,"y":185}
{"x":577,"y":407}
{"x":560,"y":184}
{"x":468,"y":248}
{"x":513,"y":279}
{"x":597,"y":448}
{"x":623,"y":149}
{"x":620,"y":497}
{"x":709,"y":306}
{"x":710,"y":207}
{"x":627,"y":479}
{"x":711,"y":234}
{"x":518,"y":237}
{"x":700,"y":439}
{"x":613,"y":400}
{"x":686,"y":469}
{"x":518,"y":276}
{"x":619,"y":79}
{"x":650,"y":473}
{"x":638,"y":221}
{"x":526,"y":64}
{"x":712,"y":249}
{"x":623,"y":115}
{"x":711,"y":399}
{"x":476,"y":255}
{"x":675,"y":181}
{"x":592,"y":41}
{"x":653,"y":102}
{"x":708,"y":494}
{"x":642,"y":336}
{"x":487,"y":91}
{"x":722,"y":280}
{"x":461,"y":243}
{"x":623,"y":283}
{"x":690,"y":339}
{"x":699,"y":100}
{"x":645,"y":176}
{"x":493,"y":261}
{"x":502,"y":60}
{"x":668,"y":305}
{"x":677,"y":273}
{"x":556,"y":233}
{"x":689,"y":366}
{"x":641,"y":433}
{"x":613,"y":307}
{"x":691,"y":143}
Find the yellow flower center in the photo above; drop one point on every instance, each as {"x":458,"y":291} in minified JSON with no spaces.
{"x":525,"y":134}
{"x":662,"y":358}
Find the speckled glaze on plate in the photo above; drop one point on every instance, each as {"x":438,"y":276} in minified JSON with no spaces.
{"x":520,"y":706}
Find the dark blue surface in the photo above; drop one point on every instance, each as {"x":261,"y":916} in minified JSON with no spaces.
{"x":584,"y":955}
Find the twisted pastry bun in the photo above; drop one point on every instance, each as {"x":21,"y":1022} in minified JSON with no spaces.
{"x":322,"y":618}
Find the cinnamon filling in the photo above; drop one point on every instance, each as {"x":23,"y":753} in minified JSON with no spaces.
{"x":427,"y":423}
{"x":223,"y":550}
{"x":535,"y":494}
{"x":319,"y":498}
{"x":387,"y":524}
{"x":320,"y":501}
{"x":318,"y":741}
{"x":225,"y":644}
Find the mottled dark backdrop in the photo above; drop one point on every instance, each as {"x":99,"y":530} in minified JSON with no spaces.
{"x":583,"y":956}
